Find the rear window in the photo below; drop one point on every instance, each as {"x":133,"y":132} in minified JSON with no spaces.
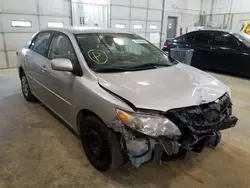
{"x":203,"y":38}
{"x":188,"y":38}
{"x":242,"y":38}
{"x":179,"y":38}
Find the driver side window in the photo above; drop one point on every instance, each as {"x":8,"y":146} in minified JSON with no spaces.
{"x":61,"y":47}
{"x":40,"y":43}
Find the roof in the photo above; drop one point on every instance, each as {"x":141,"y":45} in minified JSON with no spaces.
{"x":78,"y":30}
{"x":224,"y":30}
{"x":212,"y":30}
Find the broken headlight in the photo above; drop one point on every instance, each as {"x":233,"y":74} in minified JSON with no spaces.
{"x":150,"y":124}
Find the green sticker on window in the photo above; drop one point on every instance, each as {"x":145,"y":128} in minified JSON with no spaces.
{"x":98,"y":56}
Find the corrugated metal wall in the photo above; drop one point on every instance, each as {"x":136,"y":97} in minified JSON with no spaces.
{"x":36,"y":12}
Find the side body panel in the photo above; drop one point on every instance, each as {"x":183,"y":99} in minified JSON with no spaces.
{"x":65,"y":93}
{"x":60,"y":88}
{"x":244,"y":61}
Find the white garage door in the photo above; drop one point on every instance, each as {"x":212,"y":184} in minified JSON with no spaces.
{"x":142,"y":17}
{"x":18,"y":23}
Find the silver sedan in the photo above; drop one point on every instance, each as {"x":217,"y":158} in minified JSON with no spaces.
{"x":122,"y":95}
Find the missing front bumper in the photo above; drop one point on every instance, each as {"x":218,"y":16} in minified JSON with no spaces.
{"x":228,"y":123}
{"x":165,"y":149}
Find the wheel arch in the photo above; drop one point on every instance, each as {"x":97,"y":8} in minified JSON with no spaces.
{"x":84,"y":113}
{"x":20,"y":71}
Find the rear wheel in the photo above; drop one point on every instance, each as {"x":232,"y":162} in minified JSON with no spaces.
{"x":26,"y":89}
{"x":101,"y":144}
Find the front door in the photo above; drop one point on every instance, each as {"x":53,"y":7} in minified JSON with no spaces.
{"x":244,"y":65}
{"x":60,"y":84}
{"x":227,"y":54}
{"x":171,"y":28}
{"x":36,"y":64}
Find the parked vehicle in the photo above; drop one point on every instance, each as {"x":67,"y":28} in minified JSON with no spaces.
{"x":123,"y":96}
{"x":216,"y":50}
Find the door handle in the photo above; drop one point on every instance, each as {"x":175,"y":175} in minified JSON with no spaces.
{"x":44,"y":69}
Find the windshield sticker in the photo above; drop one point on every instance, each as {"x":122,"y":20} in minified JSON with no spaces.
{"x":98,"y":56}
{"x":140,"y":41}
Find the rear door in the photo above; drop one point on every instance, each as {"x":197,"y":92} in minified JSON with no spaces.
{"x":60,"y":84}
{"x":203,"y":54}
{"x":36,"y":59}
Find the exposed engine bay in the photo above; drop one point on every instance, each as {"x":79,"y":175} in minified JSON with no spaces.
{"x":199,"y":126}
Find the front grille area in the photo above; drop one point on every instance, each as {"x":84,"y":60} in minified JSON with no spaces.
{"x":204,"y":118}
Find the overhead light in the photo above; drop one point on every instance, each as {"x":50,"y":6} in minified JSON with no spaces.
{"x":120,"y":26}
{"x":137,"y":26}
{"x":55,"y":24}
{"x":153,"y":27}
{"x":16,"y":23}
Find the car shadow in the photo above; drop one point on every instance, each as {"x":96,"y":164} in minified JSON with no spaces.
{"x":59,"y":119}
{"x":153,"y":175}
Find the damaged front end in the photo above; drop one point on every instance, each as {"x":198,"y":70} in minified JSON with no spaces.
{"x":162,"y":136}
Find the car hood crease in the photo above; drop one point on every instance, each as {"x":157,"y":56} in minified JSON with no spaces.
{"x":164,"y":88}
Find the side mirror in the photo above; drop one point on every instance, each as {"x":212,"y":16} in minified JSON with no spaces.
{"x":62,"y":64}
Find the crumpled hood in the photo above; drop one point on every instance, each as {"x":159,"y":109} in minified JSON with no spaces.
{"x":164,"y":88}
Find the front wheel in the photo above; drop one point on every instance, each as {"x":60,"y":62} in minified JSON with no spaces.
{"x":101,"y":144}
{"x":26,"y":89}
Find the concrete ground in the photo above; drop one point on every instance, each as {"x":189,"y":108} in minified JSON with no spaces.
{"x":38,"y":150}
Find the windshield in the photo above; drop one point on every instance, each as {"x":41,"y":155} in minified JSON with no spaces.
{"x":242,"y":39}
{"x":120,"y":52}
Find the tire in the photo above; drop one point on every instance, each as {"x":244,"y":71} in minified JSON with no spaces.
{"x":26,"y":89}
{"x":108,"y":153}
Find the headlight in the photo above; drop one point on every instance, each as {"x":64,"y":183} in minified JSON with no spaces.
{"x":152,"y":125}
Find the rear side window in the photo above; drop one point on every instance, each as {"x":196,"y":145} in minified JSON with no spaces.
{"x":61,"y":47}
{"x":40,"y":43}
{"x":188,"y":39}
{"x":203,"y":38}
{"x":224,"y":39}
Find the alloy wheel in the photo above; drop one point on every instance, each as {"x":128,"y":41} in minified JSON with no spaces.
{"x":25,"y":87}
